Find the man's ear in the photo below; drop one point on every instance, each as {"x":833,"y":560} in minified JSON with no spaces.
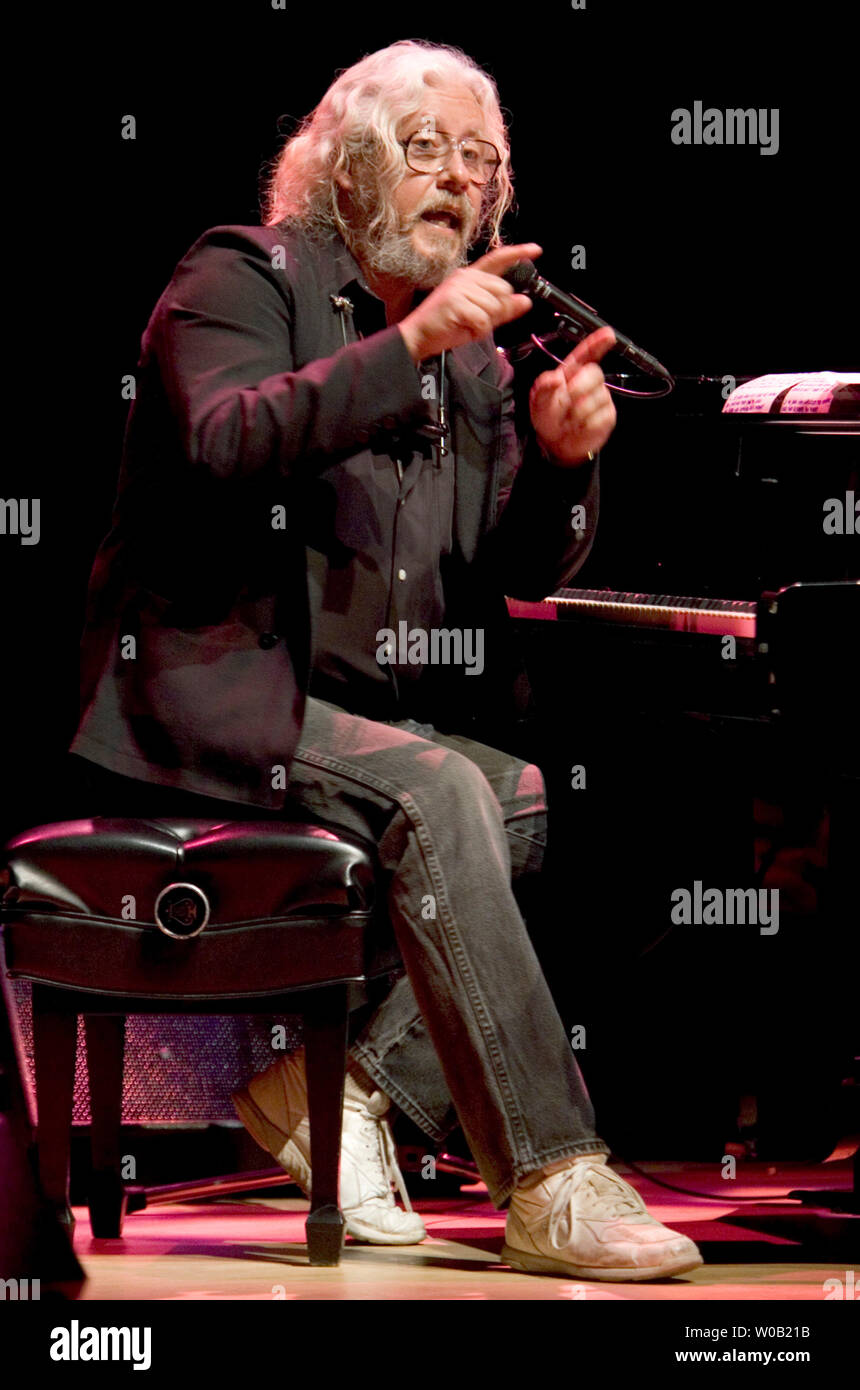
{"x":344,"y":181}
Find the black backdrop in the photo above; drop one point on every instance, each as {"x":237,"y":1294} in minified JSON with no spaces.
{"x":716,"y":259}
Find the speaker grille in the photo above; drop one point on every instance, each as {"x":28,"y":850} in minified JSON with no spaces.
{"x":177,"y":1068}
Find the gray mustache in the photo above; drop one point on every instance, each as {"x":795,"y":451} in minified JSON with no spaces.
{"x":462,"y":213}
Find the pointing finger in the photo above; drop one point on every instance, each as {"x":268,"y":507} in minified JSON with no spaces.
{"x":591,"y":349}
{"x":497,"y":261}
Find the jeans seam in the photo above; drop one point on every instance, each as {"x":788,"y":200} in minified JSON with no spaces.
{"x":532,"y":840}
{"x":481,"y":1014}
{"x":518,"y":1140}
{"x":405,"y":1103}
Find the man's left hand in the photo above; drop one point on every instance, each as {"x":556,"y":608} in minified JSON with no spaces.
{"x":571,"y":408}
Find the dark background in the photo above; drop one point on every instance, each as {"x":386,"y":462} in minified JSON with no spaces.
{"x":718,"y":260}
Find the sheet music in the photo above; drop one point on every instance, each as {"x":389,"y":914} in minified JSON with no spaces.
{"x":813,"y":395}
{"x":806,"y":393}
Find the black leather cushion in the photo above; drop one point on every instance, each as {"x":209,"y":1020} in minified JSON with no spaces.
{"x":290,"y":905}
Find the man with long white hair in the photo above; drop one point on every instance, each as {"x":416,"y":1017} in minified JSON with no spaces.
{"x":323,"y":504}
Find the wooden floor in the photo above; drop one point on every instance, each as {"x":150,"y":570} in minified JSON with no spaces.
{"x":253,"y":1248}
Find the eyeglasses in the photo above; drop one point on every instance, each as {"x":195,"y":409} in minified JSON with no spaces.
{"x":428,"y":151}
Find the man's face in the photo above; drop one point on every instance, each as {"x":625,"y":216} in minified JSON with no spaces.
{"x":436,"y":213}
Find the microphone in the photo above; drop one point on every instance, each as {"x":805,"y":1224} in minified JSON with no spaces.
{"x":526,"y":280}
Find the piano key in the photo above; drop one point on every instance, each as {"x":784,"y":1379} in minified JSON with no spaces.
{"x":725,"y":617}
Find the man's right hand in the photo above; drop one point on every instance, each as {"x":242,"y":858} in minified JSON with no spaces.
{"x":468,"y":304}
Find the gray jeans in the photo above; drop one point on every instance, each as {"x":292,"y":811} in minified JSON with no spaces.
{"x":456,"y":824}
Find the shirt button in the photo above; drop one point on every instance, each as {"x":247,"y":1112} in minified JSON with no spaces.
{"x":401,"y":574}
{"x":267,"y":640}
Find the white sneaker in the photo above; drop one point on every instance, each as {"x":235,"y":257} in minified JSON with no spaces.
{"x":273,"y":1107}
{"x":587,"y":1222}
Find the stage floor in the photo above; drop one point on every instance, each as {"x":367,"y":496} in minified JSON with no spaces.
{"x":253,"y":1248}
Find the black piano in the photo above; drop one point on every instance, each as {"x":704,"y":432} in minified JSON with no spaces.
{"x":723,"y":580}
{"x":702,"y":676}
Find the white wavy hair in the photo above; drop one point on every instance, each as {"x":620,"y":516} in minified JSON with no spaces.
{"x":357,"y":121}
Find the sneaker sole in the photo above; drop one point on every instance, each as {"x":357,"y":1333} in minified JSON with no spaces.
{"x":545,"y":1264}
{"x":371,"y":1236}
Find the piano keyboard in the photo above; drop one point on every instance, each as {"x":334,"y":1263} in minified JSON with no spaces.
{"x":722,"y":616}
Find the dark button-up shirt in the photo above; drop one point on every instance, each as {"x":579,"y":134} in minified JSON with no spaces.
{"x":378,"y":525}
{"x":259,"y":439}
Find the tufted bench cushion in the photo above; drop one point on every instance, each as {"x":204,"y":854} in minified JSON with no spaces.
{"x":253,"y":907}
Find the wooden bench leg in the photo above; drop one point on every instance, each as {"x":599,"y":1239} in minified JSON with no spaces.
{"x":55,"y":1034}
{"x":325,"y":1060}
{"x":107,"y":1195}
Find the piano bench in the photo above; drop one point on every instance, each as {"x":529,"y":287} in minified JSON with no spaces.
{"x":110,"y":917}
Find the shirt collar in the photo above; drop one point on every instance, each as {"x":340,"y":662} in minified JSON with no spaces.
{"x":348,"y":280}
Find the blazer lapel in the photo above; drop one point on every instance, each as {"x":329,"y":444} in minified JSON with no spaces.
{"x":475,"y":414}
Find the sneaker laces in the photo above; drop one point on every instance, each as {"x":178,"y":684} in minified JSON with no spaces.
{"x":376,"y":1141}
{"x":608,"y":1196}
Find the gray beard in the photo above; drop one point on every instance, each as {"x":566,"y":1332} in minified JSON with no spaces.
{"x":396,"y":256}
{"x":390,"y":250}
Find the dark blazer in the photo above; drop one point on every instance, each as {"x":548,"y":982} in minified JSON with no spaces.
{"x":197,"y":640}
